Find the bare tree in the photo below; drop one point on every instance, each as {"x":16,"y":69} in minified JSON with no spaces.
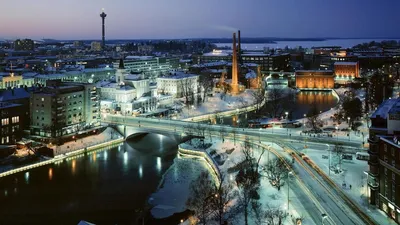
{"x":338,"y":149}
{"x":313,"y":119}
{"x":202,"y":190}
{"x":274,"y":106}
{"x":275,"y":216}
{"x":247,"y":179}
{"x":259,"y":97}
{"x":187,"y":90}
{"x":224,"y":196}
{"x":276,"y":171}
{"x":258,"y":213}
{"x":206,"y":84}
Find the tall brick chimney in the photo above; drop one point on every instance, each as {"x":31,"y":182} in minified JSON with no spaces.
{"x":234,"y":84}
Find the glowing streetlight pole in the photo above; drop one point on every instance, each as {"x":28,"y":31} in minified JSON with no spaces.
{"x":348,"y":121}
{"x":287,"y":124}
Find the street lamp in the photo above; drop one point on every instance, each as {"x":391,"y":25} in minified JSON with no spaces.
{"x":324,"y":216}
{"x":289,"y":173}
{"x":329,"y":167}
{"x":287,"y":127}
{"x":337,"y":133}
{"x":348,"y":121}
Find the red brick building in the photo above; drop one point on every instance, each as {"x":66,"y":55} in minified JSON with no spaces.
{"x":315,"y":79}
{"x":346,"y":71}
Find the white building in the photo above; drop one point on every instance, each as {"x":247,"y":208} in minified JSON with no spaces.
{"x":127,"y":94}
{"x":11,"y":80}
{"x":150,"y":66}
{"x":175,"y":83}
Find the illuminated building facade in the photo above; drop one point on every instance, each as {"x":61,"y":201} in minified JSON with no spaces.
{"x":64,"y":108}
{"x":315,"y":79}
{"x":346,"y":71}
{"x":384,"y":159}
{"x":11,"y":117}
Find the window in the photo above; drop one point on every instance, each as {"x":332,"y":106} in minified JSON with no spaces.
{"x":4,"y":121}
{"x":392,"y":149}
{"x":15,"y":119}
{"x":385,"y":148}
{"x":42,"y":99}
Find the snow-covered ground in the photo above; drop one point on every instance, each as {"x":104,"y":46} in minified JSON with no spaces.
{"x":216,"y":104}
{"x":228,"y":154}
{"x":173,"y":193}
{"x":108,"y":134}
{"x":353,"y":174}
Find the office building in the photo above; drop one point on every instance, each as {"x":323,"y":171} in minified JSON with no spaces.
{"x":24,"y":45}
{"x":315,"y":79}
{"x":63,"y":108}
{"x":11,"y":120}
{"x":384,"y":159}
{"x":151,"y":67}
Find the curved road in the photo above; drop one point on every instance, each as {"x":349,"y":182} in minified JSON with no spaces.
{"x":316,"y":195}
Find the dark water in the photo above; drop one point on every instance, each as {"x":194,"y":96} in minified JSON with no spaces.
{"x":103,"y":187}
{"x":303,"y":103}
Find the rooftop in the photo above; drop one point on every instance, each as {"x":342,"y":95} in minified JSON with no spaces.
{"x":137,"y":57}
{"x":134,"y":77}
{"x":314,"y":71}
{"x":385,"y":107}
{"x":179,"y":75}
{"x":346,"y":63}
{"x":16,"y":93}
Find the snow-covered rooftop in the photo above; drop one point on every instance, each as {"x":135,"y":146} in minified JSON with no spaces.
{"x":218,"y":53}
{"x":134,"y":77}
{"x":346,"y":63}
{"x":205,"y":65}
{"x":137,"y":57}
{"x":179,"y":75}
{"x":385,"y":107}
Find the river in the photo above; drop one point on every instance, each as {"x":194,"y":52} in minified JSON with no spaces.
{"x":344,"y":43}
{"x":103,"y":187}
{"x":325,"y":100}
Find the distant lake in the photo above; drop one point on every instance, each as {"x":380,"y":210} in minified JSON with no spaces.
{"x":344,"y":43}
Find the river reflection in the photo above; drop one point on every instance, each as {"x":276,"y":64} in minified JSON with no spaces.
{"x":103,"y":187}
{"x":325,"y":100}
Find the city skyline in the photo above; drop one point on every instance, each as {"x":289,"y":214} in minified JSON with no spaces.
{"x":181,"y":19}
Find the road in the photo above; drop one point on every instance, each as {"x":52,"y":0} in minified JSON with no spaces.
{"x":315,"y":193}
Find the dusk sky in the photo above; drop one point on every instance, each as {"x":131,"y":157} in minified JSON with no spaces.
{"x":135,"y":19}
